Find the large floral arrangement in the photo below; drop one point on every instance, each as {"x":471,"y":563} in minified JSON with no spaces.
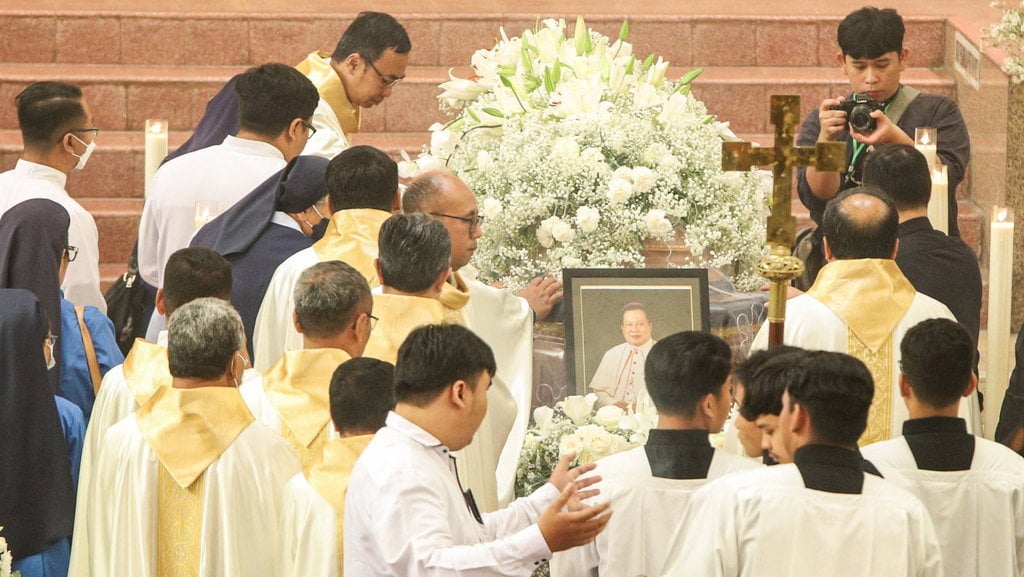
{"x":6,"y":559}
{"x":1008,"y":34}
{"x":574,"y":425}
{"x":579,"y":152}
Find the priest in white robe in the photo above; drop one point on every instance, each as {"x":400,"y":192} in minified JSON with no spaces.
{"x":362,"y":190}
{"x":414,"y":265}
{"x":190,"y":484}
{"x":334,"y":314}
{"x":503,"y":320}
{"x":973,"y":488}
{"x":361,"y":394}
{"x":821,"y":514}
{"x":59,"y":136}
{"x":861,"y":304}
{"x":406,"y":512}
{"x":275,"y":104}
{"x":650,"y":486}
{"x":190,"y":273}
{"x":619,"y":379}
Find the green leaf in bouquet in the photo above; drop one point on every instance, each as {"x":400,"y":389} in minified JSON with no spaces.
{"x":690,"y":76}
{"x":549,"y":80}
{"x":556,"y":75}
{"x":494,"y":112}
{"x":473,"y":115}
{"x":504,"y":70}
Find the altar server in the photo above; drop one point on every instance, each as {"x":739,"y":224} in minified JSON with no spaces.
{"x":821,"y":514}
{"x":190,"y":484}
{"x":973,"y":488}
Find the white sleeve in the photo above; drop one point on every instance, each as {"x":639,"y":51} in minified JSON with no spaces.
{"x":329,"y":139}
{"x":82,"y":282}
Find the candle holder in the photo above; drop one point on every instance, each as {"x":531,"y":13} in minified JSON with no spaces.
{"x":156,"y":148}
{"x":926,"y":140}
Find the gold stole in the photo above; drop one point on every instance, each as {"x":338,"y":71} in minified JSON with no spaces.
{"x":298,"y":387}
{"x":845,"y":287}
{"x":400,"y":314}
{"x":351,"y":237}
{"x":329,"y":478}
{"x":317,"y":67}
{"x":145,"y":370}
{"x":208,"y":419}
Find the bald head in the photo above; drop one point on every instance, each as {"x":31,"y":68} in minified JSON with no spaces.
{"x":445,"y":197}
{"x":861,"y":223}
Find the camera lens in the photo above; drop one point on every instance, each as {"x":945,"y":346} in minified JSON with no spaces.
{"x":861,"y":120}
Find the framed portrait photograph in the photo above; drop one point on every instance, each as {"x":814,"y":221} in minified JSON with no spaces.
{"x":614,"y":317}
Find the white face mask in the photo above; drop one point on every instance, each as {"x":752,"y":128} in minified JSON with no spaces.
{"x":85,"y":155}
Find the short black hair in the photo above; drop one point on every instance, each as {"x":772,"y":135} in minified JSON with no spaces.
{"x":362,"y":392}
{"x":272,"y":96}
{"x":762,"y":390}
{"x":836,"y":391}
{"x":870,"y":33}
{"x":902,"y":172}
{"x":47,"y":111}
{"x":433,"y":357}
{"x":746,"y":368}
{"x":937,"y":357}
{"x":682,"y":368}
{"x":362,"y":177}
{"x":193,"y":273}
{"x":329,"y":296}
{"x":635,"y":306}
{"x":414,"y":249}
{"x":852,"y":236}
{"x":369,"y":35}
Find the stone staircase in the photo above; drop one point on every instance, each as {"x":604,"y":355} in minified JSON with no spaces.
{"x":138,"y":65}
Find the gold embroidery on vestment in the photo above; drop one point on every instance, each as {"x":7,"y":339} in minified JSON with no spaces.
{"x":179,"y":524}
{"x":879,"y":363}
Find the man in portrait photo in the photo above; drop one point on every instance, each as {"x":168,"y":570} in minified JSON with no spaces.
{"x":619,"y":379}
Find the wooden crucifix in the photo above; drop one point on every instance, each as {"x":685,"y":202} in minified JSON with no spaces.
{"x":780,"y":267}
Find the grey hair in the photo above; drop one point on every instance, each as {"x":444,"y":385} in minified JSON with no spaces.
{"x":327,"y":297}
{"x":414,"y":250}
{"x":203,"y":336}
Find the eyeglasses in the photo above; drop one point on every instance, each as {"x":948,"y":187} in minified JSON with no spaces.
{"x":373,"y":322}
{"x":51,"y":340}
{"x":95,"y":131}
{"x":72,"y":252}
{"x":384,"y":80}
{"x":310,"y":129}
{"x":474,"y":221}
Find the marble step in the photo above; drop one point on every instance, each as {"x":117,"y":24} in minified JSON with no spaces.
{"x":123,"y":97}
{"x":178,"y":34}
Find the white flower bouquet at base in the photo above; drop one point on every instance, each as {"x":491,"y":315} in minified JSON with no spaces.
{"x":1008,"y":34}
{"x":6,"y":559}
{"x":579,"y":152}
{"x":574,"y":426}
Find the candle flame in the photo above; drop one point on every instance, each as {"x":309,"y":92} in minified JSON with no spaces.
{"x":1002,"y":214}
{"x":925,"y":140}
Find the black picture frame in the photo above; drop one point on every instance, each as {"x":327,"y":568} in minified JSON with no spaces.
{"x":676,"y":299}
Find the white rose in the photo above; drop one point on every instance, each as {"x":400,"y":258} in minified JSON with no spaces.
{"x":544,"y":235}
{"x":601,"y":444}
{"x":563,"y":232}
{"x":629,"y":422}
{"x":543,"y":416}
{"x":587,"y":218}
{"x":6,"y":559}
{"x":570,"y":443}
{"x":619,"y":190}
{"x":644,"y":179}
{"x":623,"y":172}
{"x":591,"y":398}
{"x":566,"y":148}
{"x":657,"y":224}
{"x":530,"y":442}
{"x":484,"y":161}
{"x":491,"y":208}
{"x":609,"y":416}
{"x":593,"y":156}
{"x":577,"y":408}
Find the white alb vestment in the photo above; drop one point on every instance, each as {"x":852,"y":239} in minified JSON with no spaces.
{"x":767,"y":523}
{"x":221,"y":174}
{"x":29,"y":180}
{"x":813,"y":325}
{"x":620,"y":376}
{"x":978,"y":512}
{"x":211,"y":503}
{"x":405,"y":514}
{"x":637,"y":537}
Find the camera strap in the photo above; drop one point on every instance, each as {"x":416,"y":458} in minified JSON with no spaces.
{"x":893,"y":110}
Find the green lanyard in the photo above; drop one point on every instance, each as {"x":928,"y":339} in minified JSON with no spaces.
{"x":858,"y":147}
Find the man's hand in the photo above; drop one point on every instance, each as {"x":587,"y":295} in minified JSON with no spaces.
{"x":885,"y":132}
{"x":542,"y":294}
{"x":567,"y":529}
{"x":832,"y":123}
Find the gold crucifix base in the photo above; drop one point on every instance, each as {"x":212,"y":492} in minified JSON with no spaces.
{"x":779,"y":267}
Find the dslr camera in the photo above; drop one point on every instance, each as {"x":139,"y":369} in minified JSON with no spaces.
{"x":858,"y":108}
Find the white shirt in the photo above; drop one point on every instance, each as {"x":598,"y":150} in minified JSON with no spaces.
{"x":222,"y":174}
{"x":620,"y":376}
{"x":329,"y":139}
{"x":29,"y":180}
{"x":978,"y":513}
{"x":274,"y":332}
{"x":406,"y":515}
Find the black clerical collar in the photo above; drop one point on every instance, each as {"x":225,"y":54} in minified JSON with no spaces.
{"x":830,"y":469}
{"x":919,"y":224}
{"x":679,"y":454}
{"x":939,"y":443}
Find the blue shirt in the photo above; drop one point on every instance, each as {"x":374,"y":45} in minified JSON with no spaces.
{"x":75,"y":381}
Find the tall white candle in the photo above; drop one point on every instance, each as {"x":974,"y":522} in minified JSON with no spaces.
{"x":1000,"y":280}
{"x":926,"y":140}
{"x":156,"y":148}
{"x":938,"y":203}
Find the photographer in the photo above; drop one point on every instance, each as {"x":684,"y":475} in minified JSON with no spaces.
{"x":872,"y":56}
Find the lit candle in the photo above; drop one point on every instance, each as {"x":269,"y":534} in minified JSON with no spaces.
{"x":925,"y":140}
{"x":156,"y":148}
{"x":1000,"y":279}
{"x":206,"y":210}
{"x":938,"y":203}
